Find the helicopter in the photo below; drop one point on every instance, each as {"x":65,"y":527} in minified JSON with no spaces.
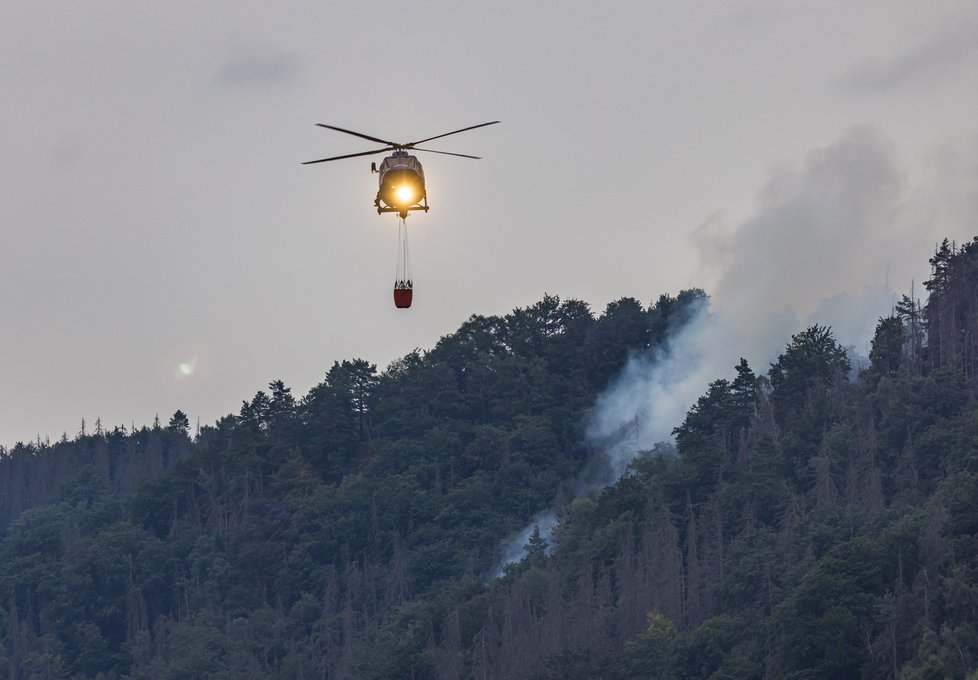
{"x":401,"y":175}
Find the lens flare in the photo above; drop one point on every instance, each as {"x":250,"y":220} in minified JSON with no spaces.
{"x":186,"y":369}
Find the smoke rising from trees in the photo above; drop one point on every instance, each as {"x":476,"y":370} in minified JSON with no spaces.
{"x":829,"y":237}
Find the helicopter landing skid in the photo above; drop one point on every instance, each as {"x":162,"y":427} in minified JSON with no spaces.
{"x":403,"y":212}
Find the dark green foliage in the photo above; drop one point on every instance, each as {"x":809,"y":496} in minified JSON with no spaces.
{"x":313,"y":536}
{"x":179,"y":423}
{"x":886,"y":354}
{"x":810,"y":527}
{"x":807,"y":524}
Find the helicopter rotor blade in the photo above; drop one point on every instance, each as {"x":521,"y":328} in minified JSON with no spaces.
{"x":358,"y":134}
{"x":349,"y":155}
{"x":447,"y":153}
{"x":472,"y":127}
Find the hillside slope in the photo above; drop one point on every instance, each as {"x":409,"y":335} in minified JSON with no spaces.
{"x":805,"y":525}
{"x":283,"y":540}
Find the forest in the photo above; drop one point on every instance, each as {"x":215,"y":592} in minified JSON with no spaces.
{"x":812,"y":519}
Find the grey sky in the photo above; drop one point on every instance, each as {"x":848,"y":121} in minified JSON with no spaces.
{"x":155,"y":213}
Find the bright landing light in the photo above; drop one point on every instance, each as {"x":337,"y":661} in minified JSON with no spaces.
{"x":405,"y":195}
{"x":186,"y":369}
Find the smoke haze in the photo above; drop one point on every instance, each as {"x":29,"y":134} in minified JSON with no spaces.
{"x":826,"y":241}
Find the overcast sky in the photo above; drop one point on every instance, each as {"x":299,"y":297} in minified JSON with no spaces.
{"x":155,"y":212}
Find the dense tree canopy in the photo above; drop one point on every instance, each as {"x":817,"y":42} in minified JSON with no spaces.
{"x":808,"y":522}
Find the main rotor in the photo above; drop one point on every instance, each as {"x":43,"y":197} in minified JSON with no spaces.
{"x":396,"y":146}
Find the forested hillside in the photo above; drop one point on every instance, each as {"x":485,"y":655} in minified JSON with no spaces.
{"x":36,"y":473}
{"x":806,"y":525}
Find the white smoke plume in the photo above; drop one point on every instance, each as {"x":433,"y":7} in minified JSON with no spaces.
{"x":639,"y":409}
{"x":513,"y":549}
{"x":819,"y":245}
{"x":828,"y":238}
{"x":648,"y":399}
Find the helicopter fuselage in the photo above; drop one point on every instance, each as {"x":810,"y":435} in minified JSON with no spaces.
{"x":401,"y":185}
{"x":401,"y":177}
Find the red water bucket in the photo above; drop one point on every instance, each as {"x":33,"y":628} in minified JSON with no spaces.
{"x":402,"y":297}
